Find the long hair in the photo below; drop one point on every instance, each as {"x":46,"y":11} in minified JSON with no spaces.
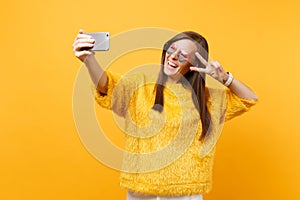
{"x":195,"y":79}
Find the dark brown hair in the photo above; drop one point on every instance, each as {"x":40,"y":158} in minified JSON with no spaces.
{"x":193,"y":79}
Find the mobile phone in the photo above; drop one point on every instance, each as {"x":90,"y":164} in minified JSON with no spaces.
{"x":101,"y":41}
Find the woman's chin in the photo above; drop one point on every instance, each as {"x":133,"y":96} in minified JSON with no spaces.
{"x":170,"y":71}
{"x":173,"y":77}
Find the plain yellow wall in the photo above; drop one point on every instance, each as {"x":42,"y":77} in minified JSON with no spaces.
{"x":41,"y":154}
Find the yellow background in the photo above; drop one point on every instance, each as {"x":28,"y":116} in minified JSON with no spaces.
{"x":41,"y":154}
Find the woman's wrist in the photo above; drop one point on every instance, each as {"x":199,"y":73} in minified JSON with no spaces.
{"x":89,"y":59}
{"x":228,"y":80}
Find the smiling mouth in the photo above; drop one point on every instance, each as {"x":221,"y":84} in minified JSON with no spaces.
{"x":173,"y":65}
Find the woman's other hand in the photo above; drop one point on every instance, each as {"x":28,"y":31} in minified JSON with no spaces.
{"x":215,"y":70}
{"x":212,"y":68}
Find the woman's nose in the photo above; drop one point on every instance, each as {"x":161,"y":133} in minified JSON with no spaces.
{"x":174,"y":55}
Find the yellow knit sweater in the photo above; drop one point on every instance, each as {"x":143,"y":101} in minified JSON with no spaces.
{"x":162,"y":150}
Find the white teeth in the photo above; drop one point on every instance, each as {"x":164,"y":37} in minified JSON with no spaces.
{"x":172,"y":64}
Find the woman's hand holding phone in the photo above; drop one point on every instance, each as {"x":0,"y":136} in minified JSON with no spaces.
{"x":82,"y":45}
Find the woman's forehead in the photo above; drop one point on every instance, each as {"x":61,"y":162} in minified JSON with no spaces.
{"x":185,"y":45}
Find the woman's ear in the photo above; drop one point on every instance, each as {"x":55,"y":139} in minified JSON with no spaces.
{"x":195,"y":63}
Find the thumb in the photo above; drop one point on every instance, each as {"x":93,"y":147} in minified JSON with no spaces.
{"x":198,"y":69}
{"x":81,"y":31}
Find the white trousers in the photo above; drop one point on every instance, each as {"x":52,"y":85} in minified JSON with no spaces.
{"x":136,"y":196}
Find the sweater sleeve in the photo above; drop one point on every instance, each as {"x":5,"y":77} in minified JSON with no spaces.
{"x":117,"y":97}
{"x":235,"y":105}
{"x":220,"y":102}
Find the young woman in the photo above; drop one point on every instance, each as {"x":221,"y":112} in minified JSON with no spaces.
{"x":168,"y":119}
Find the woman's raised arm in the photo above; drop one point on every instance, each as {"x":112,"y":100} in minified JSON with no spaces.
{"x":81,"y":47}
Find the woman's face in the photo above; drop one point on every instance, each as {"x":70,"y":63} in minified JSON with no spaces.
{"x":179,"y":58}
